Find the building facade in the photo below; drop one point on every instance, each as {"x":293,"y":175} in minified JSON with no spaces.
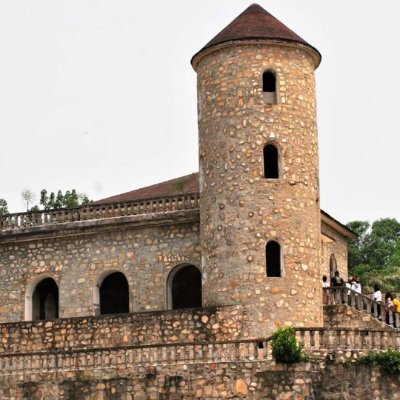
{"x":172,"y":291}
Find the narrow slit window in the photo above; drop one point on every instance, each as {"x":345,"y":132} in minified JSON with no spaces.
{"x":269,"y":87}
{"x":273,"y":259}
{"x":271,"y":162}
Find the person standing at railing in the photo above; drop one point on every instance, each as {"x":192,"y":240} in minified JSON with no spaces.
{"x":348,"y":285}
{"x":325,"y":284}
{"x":377,"y":296}
{"x":356,"y":287}
{"x":396,"y":305}
{"x":389,"y":307}
{"x":337,"y":282}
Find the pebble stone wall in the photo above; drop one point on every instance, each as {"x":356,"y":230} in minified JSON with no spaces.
{"x":240,"y":211}
{"x":215,"y":381}
{"x":78,"y":262}
{"x":338,"y":247}
{"x":175,"y":326}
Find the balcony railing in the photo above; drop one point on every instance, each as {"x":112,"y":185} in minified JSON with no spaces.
{"x":318,"y":341}
{"x":187,"y":201}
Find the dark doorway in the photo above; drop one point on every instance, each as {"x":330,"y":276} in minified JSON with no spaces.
{"x":186,"y":288}
{"x":273,"y":259}
{"x":45,"y":300}
{"x":271,"y":162}
{"x":114,"y":294}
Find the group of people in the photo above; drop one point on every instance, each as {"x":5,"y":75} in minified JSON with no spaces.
{"x":353,"y":283}
{"x":392,"y":303}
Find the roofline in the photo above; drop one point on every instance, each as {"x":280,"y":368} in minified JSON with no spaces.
{"x":338,"y":226}
{"x":249,"y":40}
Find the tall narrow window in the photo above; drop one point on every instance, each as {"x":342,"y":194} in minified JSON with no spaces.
{"x":45,"y":300}
{"x":332,"y":265}
{"x":269,"y":87}
{"x":273,"y":259}
{"x":114,"y":294}
{"x":271,"y":162}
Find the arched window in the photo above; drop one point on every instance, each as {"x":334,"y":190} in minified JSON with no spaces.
{"x":332,"y":265}
{"x":273,"y":259}
{"x":184,"y":287}
{"x":271,"y":162}
{"x":114,"y":294}
{"x":45,"y":300}
{"x":269,"y":87}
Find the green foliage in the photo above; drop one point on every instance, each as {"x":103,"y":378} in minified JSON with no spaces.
{"x":388,"y":361}
{"x":285,"y":347}
{"x":375,"y":255}
{"x":3,"y":207}
{"x":70,"y":199}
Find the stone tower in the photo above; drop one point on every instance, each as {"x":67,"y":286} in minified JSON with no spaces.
{"x":259,"y":190}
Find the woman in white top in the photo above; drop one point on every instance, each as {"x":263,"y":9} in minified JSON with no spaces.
{"x":377,"y":296}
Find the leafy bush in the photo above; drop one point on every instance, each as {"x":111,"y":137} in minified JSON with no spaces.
{"x":388,"y":361}
{"x":285,"y":347}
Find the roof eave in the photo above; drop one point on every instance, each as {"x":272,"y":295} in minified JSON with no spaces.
{"x":316,"y":55}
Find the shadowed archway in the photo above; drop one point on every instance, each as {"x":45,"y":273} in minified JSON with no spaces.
{"x":45,"y":300}
{"x":114,"y":294}
{"x":184,"y":287}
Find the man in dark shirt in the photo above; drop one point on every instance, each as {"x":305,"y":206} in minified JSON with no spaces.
{"x":337,"y":281}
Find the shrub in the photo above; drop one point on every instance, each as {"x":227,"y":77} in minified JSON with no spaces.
{"x":285,"y":347}
{"x":388,"y":361}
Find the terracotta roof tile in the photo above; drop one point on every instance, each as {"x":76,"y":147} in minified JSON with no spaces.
{"x":255,"y":23}
{"x":183,"y":184}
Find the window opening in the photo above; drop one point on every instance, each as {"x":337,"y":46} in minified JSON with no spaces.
{"x":114,"y":294}
{"x":332,"y":265}
{"x":45,"y":300}
{"x":185,"y":289}
{"x":273,"y":259}
{"x":269,"y":87}
{"x":271,"y":162}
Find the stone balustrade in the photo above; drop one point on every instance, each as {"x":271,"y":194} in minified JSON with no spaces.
{"x":345,"y":296}
{"x":319,"y":341}
{"x":14,"y":221}
{"x":133,"y":356}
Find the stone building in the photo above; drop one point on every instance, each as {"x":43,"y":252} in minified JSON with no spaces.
{"x":172,"y":291}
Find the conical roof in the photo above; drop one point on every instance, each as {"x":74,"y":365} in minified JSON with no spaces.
{"x":255,"y":23}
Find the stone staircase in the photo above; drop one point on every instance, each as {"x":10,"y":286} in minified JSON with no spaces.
{"x":357,"y":310}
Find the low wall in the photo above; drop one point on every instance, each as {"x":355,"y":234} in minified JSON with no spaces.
{"x":189,"y":325}
{"x":211,"y":381}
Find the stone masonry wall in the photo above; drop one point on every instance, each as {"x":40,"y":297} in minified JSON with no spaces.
{"x":240,"y":210}
{"x":338,"y":247}
{"x":78,"y":261}
{"x":214,"y":381}
{"x":177,"y":326}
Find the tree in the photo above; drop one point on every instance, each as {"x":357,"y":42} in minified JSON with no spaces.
{"x":357,"y":254}
{"x":70,"y":199}
{"x":382,"y":241}
{"x":28,"y":197}
{"x":375,"y":254}
{"x":3,"y":207}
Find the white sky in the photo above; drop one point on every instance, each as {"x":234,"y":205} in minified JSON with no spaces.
{"x":100,"y":95}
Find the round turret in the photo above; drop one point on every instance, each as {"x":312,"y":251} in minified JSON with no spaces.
{"x":259,"y":194}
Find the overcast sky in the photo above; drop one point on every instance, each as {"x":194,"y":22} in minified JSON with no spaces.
{"x":100,"y":95}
